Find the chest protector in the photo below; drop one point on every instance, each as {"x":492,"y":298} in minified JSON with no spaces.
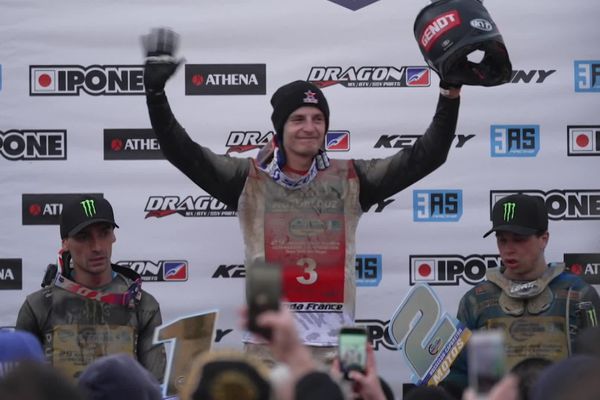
{"x":310,"y":233}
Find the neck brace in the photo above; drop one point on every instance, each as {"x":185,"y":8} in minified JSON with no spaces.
{"x":535,"y":296}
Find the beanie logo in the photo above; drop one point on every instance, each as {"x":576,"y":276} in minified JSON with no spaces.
{"x":509,"y":210}
{"x":310,"y":97}
{"x":89,"y":208}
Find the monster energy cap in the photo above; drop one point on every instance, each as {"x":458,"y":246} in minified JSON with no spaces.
{"x":84,"y":211}
{"x":520,"y":214}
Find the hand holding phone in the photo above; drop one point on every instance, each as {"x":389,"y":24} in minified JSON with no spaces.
{"x":263,"y":292}
{"x":352,"y":349}
{"x":486,"y":360}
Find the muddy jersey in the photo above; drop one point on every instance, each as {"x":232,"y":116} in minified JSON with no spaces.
{"x":75,"y":330}
{"x":309,"y":231}
{"x":541,"y":330}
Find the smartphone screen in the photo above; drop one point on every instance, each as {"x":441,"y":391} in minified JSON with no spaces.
{"x":486,"y":360}
{"x":352,"y":349}
{"x":263,"y":292}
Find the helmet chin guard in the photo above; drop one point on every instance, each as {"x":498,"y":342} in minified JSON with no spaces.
{"x":447,"y":31}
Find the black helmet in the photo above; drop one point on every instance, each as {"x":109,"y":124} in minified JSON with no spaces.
{"x":449,"y":30}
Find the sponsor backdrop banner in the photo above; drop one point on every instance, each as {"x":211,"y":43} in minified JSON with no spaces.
{"x":73,"y":119}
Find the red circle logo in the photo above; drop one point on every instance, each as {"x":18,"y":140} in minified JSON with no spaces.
{"x":582,"y":140}
{"x":44,"y":80}
{"x":424,"y":270}
{"x":198,"y":80}
{"x":35,"y":210}
{"x":577,"y":269}
{"x":116,"y":145}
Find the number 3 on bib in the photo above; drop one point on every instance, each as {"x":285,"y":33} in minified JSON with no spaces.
{"x":314,"y":280}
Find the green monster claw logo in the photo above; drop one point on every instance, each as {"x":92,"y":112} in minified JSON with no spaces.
{"x":89,"y":208}
{"x":509,"y":210}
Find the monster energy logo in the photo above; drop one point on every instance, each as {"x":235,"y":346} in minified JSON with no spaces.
{"x":89,"y":208}
{"x":509,"y":210}
{"x":592,"y":317}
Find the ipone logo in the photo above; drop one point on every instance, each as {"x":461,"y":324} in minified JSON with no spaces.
{"x":449,"y":269}
{"x":31,"y":145}
{"x":583,"y":140}
{"x":437,"y":205}
{"x":567,"y":205}
{"x":95,"y":80}
{"x":514,"y":140}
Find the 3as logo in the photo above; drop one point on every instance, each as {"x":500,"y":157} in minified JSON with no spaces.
{"x":540,"y":75}
{"x":11,"y":274}
{"x":585,"y":265}
{"x":354,"y":4}
{"x":31,"y":145}
{"x":131,"y":144}
{"x":408,"y":141}
{"x":45,"y":209}
{"x":567,"y":205}
{"x":200,"y":206}
{"x":368,"y":269}
{"x":583,"y":140}
{"x":381,"y":76}
{"x":337,"y":141}
{"x":243,"y":141}
{"x":437,"y":205}
{"x":95,"y":80}
{"x":160,"y":271}
{"x":225,"y":79}
{"x":514,"y":140}
{"x":450,"y":269}
{"x":587,"y":76}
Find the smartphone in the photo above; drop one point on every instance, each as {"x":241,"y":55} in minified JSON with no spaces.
{"x":352,"y":349}
{"x":263,"y":292}
{"x":486,"y":357}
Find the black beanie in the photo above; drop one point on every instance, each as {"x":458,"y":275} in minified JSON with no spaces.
{"x":292,"y":96}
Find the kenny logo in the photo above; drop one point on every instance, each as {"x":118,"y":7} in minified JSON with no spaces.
{"x":31,"y":145}
{"x":531,"y":76}
{"x":69,"y":80}
{"x":564,"y":205}
{"x":407,"y":141}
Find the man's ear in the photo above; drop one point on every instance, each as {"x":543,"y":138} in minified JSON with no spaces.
{"x":65,"y":245}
